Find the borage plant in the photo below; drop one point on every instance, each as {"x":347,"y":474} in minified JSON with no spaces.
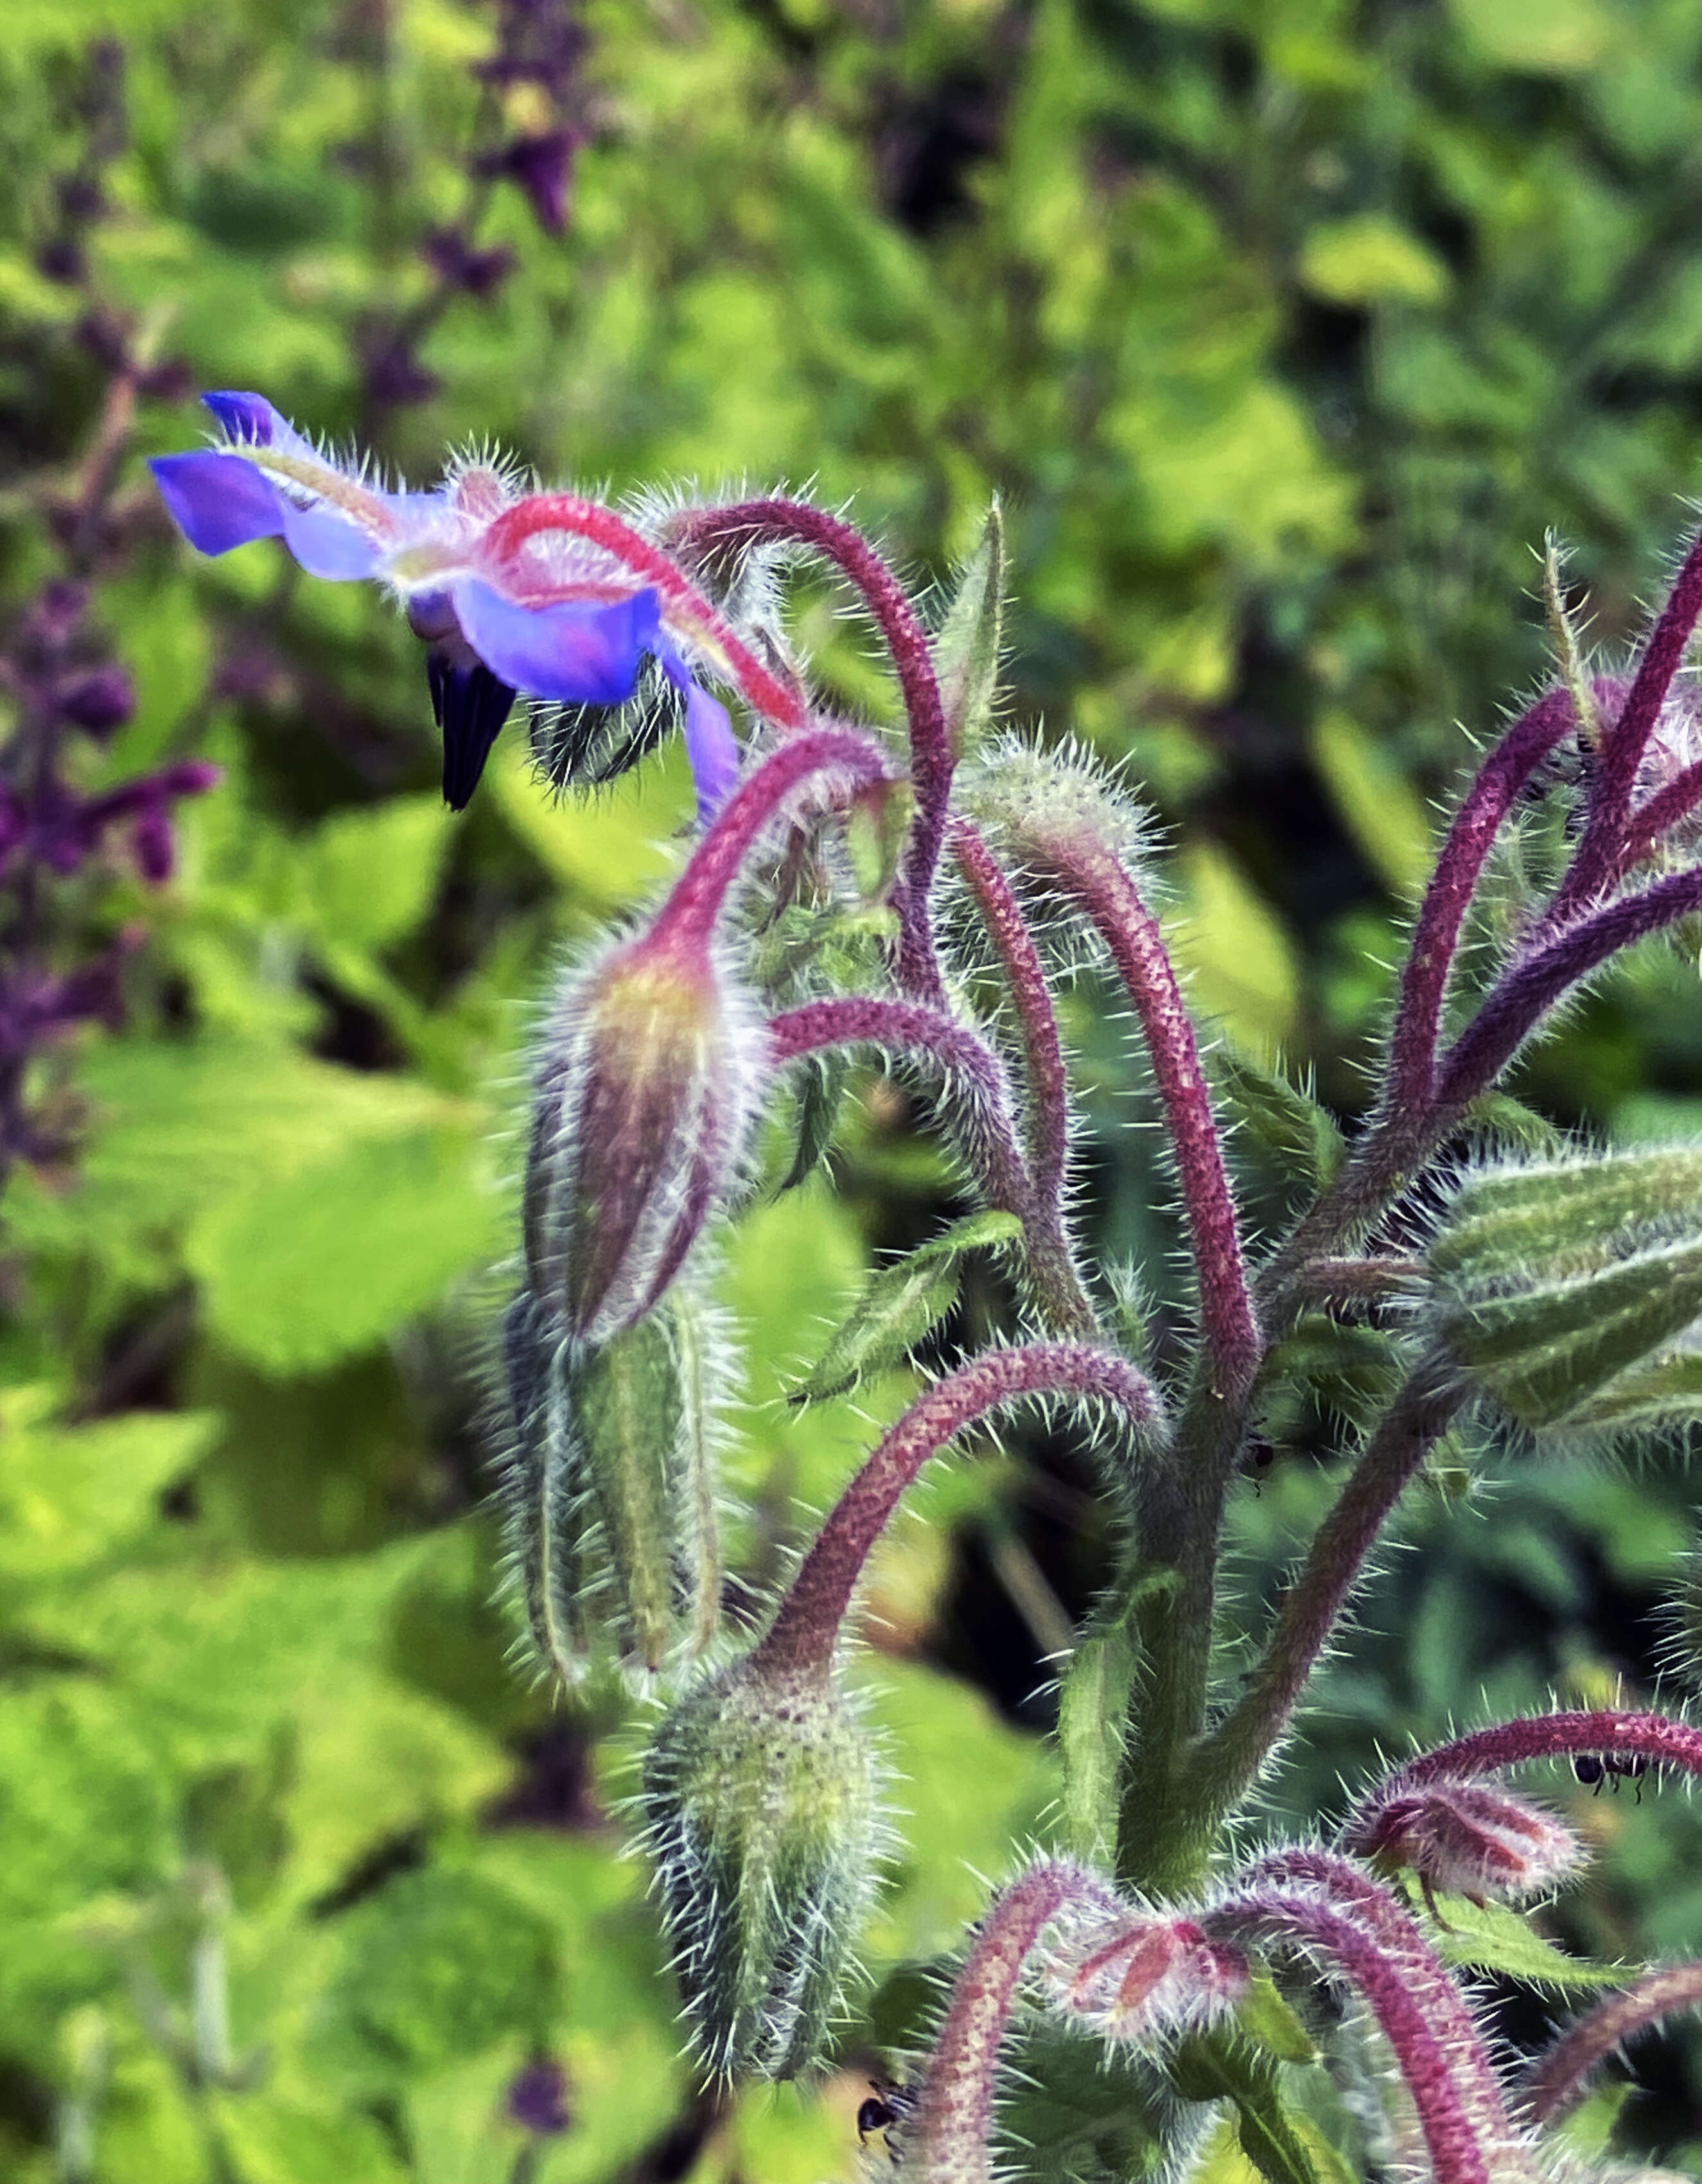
{"x":844,"y":898}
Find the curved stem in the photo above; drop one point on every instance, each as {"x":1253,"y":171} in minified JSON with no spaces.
{"x":947,"y":2137}
{"x":1229,"y":1762}
{"x":1557,"y":2078}
{"x":1663,"y":811}
{"x":805,"y":1632}
{"x":982,"y":1122}
{"x":1090,"y":871}
{"x":1530,"y":989}
{"x":1600,"y":851}
{"x":1429,"y":963}
{"x":933,"y":761}
{"x":1457,"y":2152}
{"x":1596,"y":1733}
{"x":1399,"y":1935}
{"x":1048,"y":1111}
{"x":829,"y":762}
{"x":542,"y":513}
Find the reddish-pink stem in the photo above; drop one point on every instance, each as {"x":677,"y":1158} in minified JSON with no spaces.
{"x":980,"y":1120}
{"x":1530,"y":989}
{"x":1090,"y":871}
{"x":1557,"y":2078}
{"x":1436,"y":937}
{"x":1048,"y":1114}
{"x":947,"y":2137}
{"x":831,"y":760}
{"x":932,"y":760}
{"x":1662,"y":812}
{"x":1399,"y":1935}
{"x":1600,"y":853}
{"x":542,"y":512}
{"x":1596,"y":1733}
{"x":1457,"y":2150}
{"x":805,"y":1632}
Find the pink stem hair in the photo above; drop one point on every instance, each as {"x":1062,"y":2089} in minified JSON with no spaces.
{"x":805,"y":1632}
{"x":1600,"y":853}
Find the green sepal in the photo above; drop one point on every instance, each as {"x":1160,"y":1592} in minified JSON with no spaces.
{"x":1283,"y":2145}
{"x":1498,"y":1115}
{"x":1493,"y":1937}
{"x":822,"y":1086}
{"x":1265,"y":2018}
{"x":1569,"y":1212}
{"x":1092,"y":1716}
{"x":1282,"y":1120}
{"x":903,"y":1304}
{"x":876,"y":828}
{"x":966,"y":651}
{"x":1340,"y":1365}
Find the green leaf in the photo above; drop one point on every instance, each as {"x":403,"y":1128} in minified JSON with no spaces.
{"x":966,"y":651}
{"x":1282,"y":1119}
{"x":270,"y":2139}
{"x":70,"y":1494}
{"x":903,"y":1303}
{"x":1383,"y":812}
{"x":1093,"y":1715}
{"x":1492,"y":1937}
{"x":822,"y":1087}
{"x":331,"y":1259}
{"x":370,"y":875}
{"x":1564,"y":1288}
{"x":1368,"y":259}
{"x":438,"y":1967}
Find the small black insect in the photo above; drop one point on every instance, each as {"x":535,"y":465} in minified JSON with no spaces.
{"x":1628,"y":1767}
{"x":888,"y":2104}
{"x":1588,"y":1769}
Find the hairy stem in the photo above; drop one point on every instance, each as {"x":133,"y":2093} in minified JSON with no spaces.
{"x":1558,"y":2077}
{"x":1088,"y":869}
{"x":1458,"y":2153}
{"x":806,"y":1630}
{"x":539,"y":514}
{"x":1603,"y":1732}
{"x":1398,"y":1934}
{"x":932,"y":760}
{"x":1600,"y":854}
{"x":947,"y":2138}
{"x":825,"y":762}
{"x":1231,"y":1758}
{"x":980,"y":1119}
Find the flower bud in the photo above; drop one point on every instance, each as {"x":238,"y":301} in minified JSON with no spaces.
{"x":1470,"y":1839}
{"x":644,"y":1101}
{"x":1139,"y":1978}
{"x":611,"y":1486}
{"x":763,"y":1825}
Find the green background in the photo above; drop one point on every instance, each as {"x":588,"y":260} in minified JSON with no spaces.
{"x":1284,"y":330}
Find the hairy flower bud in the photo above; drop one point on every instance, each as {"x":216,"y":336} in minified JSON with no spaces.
{"x":1570,"y":1291}
{"x":647,"y":1086}
{"x":1138,"y":1978}
{"x":763,"y":1827}
{"x":610,"y":1486}
{"x":1470,"y":1839}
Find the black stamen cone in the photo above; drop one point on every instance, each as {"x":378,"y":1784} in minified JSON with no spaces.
{"x":471,"y":704}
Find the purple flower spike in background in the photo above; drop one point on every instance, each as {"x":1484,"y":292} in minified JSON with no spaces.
{"x":542,"y":595}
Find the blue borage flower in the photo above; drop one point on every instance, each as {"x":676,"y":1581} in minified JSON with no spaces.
{"x":542,"y":595}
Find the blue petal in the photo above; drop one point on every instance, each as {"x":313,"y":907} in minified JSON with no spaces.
{"x":248,"y":419}
{"x":218,"y":501}
{"x":575,"y":653}
{"x":327,"y":543}
{"x":711,"y":743}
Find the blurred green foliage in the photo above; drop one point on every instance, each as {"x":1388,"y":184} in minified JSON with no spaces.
{"x":1284,"y":330}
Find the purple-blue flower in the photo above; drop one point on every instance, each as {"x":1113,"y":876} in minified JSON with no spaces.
{"x":541,"y":612}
